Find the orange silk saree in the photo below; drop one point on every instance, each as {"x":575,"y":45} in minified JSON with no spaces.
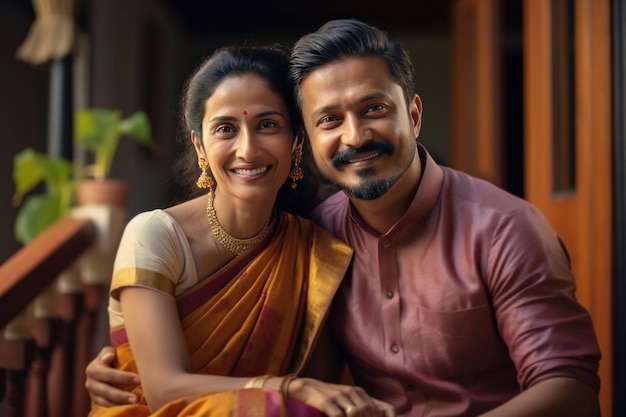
{"x":261,"y":314}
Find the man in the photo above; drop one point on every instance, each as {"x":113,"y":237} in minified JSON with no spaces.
{"x":461,"y":298}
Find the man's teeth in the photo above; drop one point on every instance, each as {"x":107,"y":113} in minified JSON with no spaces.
{"x":250,"y":172}
{"x":352,"y":161}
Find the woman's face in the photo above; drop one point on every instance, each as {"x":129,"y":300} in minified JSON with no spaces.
{"x":247,"y":138}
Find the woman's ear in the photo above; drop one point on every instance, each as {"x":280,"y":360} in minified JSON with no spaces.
{"x":197,"y":144}
{"x":298,"y":141}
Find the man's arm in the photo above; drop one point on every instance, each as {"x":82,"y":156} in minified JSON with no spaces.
{"x":101,"y":376}
{"x":554,"y":397}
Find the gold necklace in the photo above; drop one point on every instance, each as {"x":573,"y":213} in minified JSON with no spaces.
{"x":233,"y":244}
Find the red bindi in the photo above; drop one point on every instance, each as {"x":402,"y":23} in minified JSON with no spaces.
{"x":245,"y":112}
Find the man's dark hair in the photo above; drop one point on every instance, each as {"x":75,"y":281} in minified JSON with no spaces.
{"x":345,"y":38}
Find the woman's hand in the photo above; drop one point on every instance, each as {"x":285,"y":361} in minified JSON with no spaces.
{"x":101,"y":377}
{"x":338,"y":400}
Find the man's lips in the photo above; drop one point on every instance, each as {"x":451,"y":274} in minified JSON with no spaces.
{"x":368,"y":151}
{"x":364,"y":158}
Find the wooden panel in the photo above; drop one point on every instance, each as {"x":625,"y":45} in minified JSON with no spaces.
{"x":477,"y":103}
{"x":581,"y":215}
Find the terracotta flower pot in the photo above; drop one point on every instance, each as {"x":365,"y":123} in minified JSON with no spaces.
{"x":102,"y":192}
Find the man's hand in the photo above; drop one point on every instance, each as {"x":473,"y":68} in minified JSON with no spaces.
{"x":101,"y":376}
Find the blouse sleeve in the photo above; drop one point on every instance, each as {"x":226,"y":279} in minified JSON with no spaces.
{"x":149,"y":255}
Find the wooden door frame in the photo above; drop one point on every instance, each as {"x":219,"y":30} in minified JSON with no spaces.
{"x":619,"y":192}
{"x":477,"y":138}
{"x":583,"y":216}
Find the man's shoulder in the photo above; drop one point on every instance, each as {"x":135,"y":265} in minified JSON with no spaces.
{"x":464,"y":186}
{"x":330,"y":211}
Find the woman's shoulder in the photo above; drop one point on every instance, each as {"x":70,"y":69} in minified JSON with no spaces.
{"x":155,"y":221}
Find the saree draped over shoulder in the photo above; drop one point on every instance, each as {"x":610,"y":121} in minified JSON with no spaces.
{"x":260,"y":314}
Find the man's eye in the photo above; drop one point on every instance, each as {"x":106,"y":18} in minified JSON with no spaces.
{"x":328,"y":119}
{"x":375,"y":107}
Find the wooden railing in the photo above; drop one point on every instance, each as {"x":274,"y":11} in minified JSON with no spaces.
{"x":42,"y":368}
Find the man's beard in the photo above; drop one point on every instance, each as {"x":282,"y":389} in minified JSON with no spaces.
{"x":370,"y":187}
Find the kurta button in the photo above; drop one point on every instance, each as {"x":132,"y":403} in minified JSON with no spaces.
{"x":395,"y":349}
{"x":386,"y":244}
{"x":410,"y":387}
{"x":389,"y":294}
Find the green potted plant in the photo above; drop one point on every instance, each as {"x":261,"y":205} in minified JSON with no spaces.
{"x":38,"y":211}
{"x":99,"y":132}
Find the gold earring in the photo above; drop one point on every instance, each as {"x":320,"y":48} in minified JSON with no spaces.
{"x":296,"y":172}
{"x":204,"y":180}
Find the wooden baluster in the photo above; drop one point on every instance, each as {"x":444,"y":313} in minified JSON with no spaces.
{"x":61,"y":361}
{"x":86,"y":334}
{"x":3,"y":384}
{"x":46,"y":334}
{"x":16,"y":357}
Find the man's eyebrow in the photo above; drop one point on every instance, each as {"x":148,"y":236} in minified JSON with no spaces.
{"x":323,"y":110}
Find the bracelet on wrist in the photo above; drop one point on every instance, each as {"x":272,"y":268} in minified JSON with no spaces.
{"x":284,"y":385}
{"x":257,"y":381}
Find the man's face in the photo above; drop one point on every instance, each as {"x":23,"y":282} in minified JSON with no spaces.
{"x":361,"y":132}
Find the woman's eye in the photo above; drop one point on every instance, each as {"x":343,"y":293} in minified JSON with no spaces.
{"x":266,"y":124}
{"x":224,"y":129}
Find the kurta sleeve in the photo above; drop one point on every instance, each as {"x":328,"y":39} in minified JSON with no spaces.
{"x":548,"y":333}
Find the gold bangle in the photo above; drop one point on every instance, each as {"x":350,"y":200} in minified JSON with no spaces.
{"x":257,"y":381}
{"x":284,"y":384}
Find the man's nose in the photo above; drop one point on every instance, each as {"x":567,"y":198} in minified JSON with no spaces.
{"x":356,"y":133}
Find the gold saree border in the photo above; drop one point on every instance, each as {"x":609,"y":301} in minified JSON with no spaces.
{"x":329,"y":263}
{"x":139,"y":277}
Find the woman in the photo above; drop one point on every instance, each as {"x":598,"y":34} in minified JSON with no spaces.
{"x":223,"y":297}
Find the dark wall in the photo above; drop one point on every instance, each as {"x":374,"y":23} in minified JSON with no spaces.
{"x":23,"y":111}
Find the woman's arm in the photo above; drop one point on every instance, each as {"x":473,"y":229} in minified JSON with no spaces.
{"x":158,"y":345}
{"x":159,"y":348}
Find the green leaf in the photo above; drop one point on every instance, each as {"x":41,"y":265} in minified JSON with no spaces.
{"x":26,"y":173}
{"x":93,"y":128}
{"x":36,"y":215}
{"x":31,"y":167}
{"x":100,"y":130}
{"x":137,"y":126}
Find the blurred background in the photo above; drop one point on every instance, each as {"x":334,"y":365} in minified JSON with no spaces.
{"x":136,"y":55}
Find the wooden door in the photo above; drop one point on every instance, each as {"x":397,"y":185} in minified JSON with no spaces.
{"x":568,"y":145}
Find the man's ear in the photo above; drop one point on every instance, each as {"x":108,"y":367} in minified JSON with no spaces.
{"x":415,"y":111}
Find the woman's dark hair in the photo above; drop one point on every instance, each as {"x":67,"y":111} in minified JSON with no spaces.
{"x":344,"y":38}
{"x":271,"y":63}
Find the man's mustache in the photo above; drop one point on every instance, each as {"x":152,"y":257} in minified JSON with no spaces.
{"x":344,"y":156}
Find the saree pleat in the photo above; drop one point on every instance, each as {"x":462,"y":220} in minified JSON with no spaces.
{"x":256,"y":316}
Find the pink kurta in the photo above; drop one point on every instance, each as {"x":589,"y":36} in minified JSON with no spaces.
{"x":467,"y":300}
